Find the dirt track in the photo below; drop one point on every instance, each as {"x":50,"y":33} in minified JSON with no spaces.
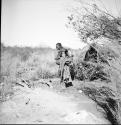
{"x":45,"y":105}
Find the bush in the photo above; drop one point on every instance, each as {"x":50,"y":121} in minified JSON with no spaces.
{"x":106,"y":99}
{"x":95,"y":25}
{"x":89,"y":71}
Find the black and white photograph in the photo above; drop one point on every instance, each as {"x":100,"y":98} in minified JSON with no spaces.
{"x":60,"y":62}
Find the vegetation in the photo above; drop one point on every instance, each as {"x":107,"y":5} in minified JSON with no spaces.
{"x":99,"y":65}
{"x":102,"y":33}
{"x":24,"y":64}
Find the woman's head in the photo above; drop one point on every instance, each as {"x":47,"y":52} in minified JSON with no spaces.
{"x":58,"y":46}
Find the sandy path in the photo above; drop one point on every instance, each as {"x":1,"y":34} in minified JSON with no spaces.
{"x":47,"y":106}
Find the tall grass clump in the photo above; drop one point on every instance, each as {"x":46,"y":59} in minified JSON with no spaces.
{"x":38,"y":66}
{"x":8,"y":73}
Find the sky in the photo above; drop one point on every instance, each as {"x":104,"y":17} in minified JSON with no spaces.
{"x":42,"y":22}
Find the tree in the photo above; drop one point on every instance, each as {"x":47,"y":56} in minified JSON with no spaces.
{"x":91,"y":24}
{"x":94,"y":23}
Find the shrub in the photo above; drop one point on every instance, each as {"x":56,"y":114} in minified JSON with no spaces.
{"x":93,"y":25}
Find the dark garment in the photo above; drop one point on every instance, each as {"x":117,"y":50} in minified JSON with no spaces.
{"x":62,"y":61}
{"x":59,"y":55}
{"x":91,"y":55}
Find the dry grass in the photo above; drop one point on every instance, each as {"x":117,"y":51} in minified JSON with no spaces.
{"x":28,"y":65}
{"x":107,"y":95}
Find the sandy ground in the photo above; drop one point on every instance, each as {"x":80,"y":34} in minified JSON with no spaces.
{"x":50,"y":106}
